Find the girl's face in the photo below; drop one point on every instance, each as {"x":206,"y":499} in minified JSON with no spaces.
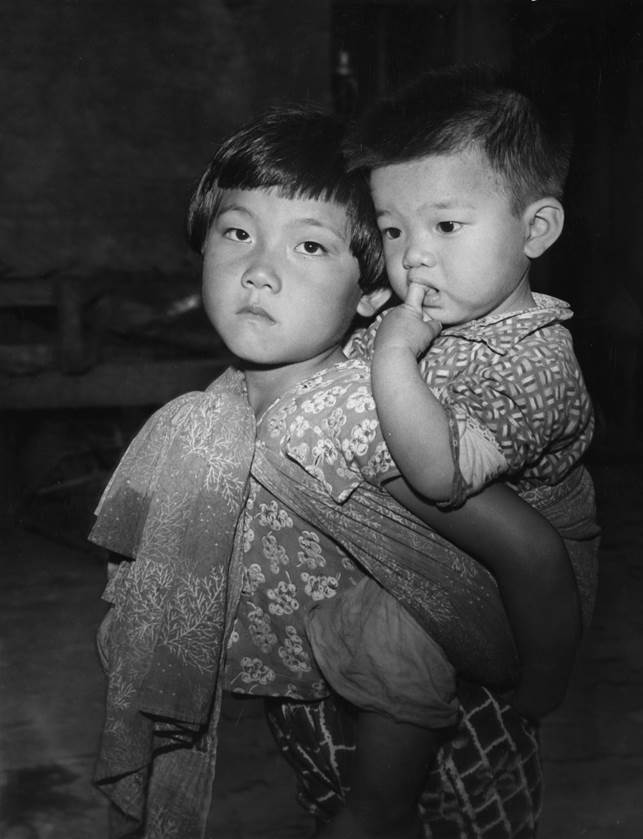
{"x":280,"y":284}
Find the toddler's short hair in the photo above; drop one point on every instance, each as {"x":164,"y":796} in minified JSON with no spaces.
{"x":449,"y":110}
{"x":297,"y":150}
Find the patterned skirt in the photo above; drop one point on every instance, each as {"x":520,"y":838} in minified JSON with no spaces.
{"x":486,"y":782}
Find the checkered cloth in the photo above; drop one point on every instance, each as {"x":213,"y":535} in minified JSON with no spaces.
{"x":486,"y":783}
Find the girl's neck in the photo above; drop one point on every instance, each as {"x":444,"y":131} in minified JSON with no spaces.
{"x":266,"y":384}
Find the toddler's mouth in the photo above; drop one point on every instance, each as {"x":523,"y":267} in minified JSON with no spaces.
{"x":419,"y":278}
{"x":431,"y":296}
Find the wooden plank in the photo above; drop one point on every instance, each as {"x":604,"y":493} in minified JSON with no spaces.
{"x":143,"y":383}
{"x":23,"y":359}
{"x":34,"y":292}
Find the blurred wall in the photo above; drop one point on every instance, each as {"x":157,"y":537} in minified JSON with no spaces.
{"x":111,"y":109}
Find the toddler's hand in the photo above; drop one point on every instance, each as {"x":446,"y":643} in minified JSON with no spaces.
{"x":407,"y":326}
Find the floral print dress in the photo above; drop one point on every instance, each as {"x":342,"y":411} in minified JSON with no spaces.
{"x":328,"y":425}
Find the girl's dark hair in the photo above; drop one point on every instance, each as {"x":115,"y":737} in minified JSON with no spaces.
{"x":296,"y":150}
{"x":445,"y":111}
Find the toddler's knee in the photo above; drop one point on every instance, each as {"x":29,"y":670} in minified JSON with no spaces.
{"x":386,"y":819}
{"x":366,"y":822}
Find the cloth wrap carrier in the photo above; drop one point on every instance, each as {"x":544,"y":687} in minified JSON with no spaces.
{"x":173,"y":505}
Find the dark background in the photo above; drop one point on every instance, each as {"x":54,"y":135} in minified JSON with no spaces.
{"x":110,"y":109}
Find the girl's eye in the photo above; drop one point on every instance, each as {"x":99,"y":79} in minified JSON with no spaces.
{"x":237,"y":234}
{"x":391,"y":233}
{"x":311,"y":248}
{"x":449,"y":226}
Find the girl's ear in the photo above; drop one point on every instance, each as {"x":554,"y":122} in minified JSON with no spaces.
{"x":544,"y":220}
{"x":370,"y":304}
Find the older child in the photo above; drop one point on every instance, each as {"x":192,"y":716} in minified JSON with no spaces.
{"x":288,"y":440}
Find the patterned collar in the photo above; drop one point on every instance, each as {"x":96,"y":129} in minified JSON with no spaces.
{"x":501,"y":332}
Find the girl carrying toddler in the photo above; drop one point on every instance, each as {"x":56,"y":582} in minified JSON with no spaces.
{"x":242,"y":508}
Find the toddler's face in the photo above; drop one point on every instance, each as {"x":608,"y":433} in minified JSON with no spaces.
{"x":280,"y":284}
{"x":447,"y":224}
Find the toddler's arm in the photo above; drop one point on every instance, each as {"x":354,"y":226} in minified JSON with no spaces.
{"x":534,"y":576}
{"x":414,"y":424}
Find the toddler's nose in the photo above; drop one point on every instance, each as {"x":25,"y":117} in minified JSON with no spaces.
{"x":416,"y":255}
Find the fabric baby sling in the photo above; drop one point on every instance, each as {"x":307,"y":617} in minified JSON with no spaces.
{"x":173,"y":505}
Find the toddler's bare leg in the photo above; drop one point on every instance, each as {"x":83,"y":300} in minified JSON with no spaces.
{"x":391,"y":764}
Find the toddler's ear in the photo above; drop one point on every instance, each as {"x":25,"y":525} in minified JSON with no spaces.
{"x":370,"y":304}
{"x":544,"y":219}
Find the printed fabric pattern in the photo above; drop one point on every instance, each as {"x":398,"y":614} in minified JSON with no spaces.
{"x":486,"y":782}
{"x":327,"y":425}
{"x":173,"y":506}
{"x":514,"y":394}
{"x":316,"y":508}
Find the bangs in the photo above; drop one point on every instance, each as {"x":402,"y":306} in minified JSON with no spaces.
{"x":303,"y":169}
{"x":298,"y":152}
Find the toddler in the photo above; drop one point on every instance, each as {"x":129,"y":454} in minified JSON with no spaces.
{"x":474,"y":375}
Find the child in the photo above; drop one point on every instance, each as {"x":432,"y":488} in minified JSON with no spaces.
{"x":467,"y":176}
{"x":467,"y":187}
{"x":288,"y":440}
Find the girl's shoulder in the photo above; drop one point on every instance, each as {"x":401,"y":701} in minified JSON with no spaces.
{"x":196,"y":445}
{"x":317,"y":396}
{"x":329,"y":426}
{"x":200,"y":414}
{"x":345,"y":375}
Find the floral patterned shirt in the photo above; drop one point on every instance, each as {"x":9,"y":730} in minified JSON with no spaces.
{"x":327,"y":424}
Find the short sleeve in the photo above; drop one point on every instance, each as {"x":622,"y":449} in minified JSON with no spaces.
{"x":528,"y":408}
{"x":336,"y":436}
{"x":361,"y":342}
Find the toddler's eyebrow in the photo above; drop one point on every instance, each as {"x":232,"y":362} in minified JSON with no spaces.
{"x":442,"y":204}
{"x":447,"y":204}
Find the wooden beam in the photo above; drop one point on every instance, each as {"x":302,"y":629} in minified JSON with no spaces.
{"x":34,"y":292}
{"x":141,"y":383}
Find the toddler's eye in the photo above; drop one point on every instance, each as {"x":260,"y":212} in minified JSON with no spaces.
{"x":237,"y":234}
{"x":391,"y":233}
{"x":449,"y":226}
{"x":311,"y":248}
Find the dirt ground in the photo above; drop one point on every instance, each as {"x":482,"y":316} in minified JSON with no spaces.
{"x":51,"y":690}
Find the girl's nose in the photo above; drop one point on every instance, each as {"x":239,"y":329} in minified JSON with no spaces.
{"x":261,"y":274}
{"x":416,"y":255}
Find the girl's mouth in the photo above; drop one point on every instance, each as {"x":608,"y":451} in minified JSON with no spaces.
{"x":256,"y":311}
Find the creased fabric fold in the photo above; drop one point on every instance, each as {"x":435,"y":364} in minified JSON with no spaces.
{"x":172,"y":506}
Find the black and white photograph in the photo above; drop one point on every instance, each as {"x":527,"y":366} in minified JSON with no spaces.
{"x":321,"y":419}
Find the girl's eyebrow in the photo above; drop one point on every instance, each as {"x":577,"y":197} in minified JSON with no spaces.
{"x":315,"y":222}
{"x":310,"y":221}
{"x":233,"y":208}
